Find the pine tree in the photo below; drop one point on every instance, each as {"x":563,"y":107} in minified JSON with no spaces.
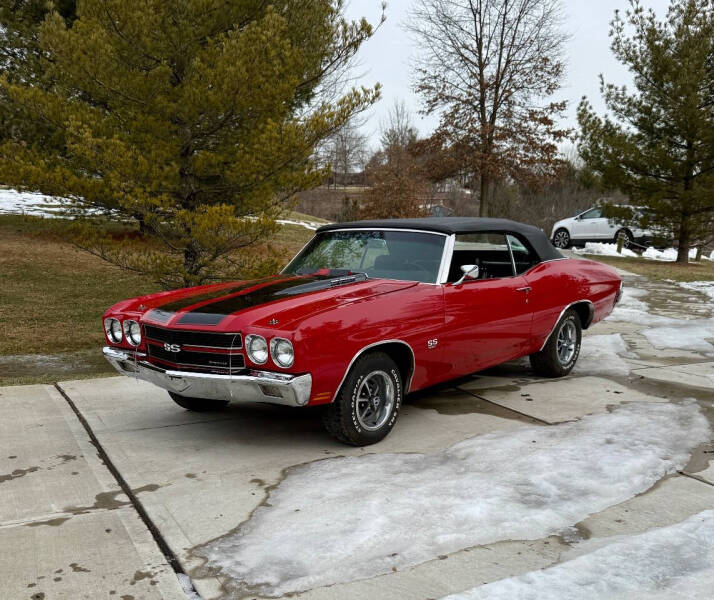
{"x":657,"y":145}
{"x":195,"y":119}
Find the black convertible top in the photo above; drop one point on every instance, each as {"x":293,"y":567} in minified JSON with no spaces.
{"x":455,"y":225}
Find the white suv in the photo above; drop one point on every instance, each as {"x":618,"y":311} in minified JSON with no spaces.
{"x":592,"y":226}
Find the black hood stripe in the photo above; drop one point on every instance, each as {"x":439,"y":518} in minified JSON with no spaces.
{"x":178,"y":305}
{"x":213,"y":312}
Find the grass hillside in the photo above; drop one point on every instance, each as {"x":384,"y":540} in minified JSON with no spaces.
{"x":53,"y":295}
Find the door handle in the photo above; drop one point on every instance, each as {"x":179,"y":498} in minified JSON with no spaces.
{"x":526,"y":289}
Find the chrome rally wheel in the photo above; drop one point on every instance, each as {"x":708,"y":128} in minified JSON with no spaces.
{"x":368,"y":403}
{"x":560,"y":352}
{"x":375,"y":400}
{"x":566,"y":342}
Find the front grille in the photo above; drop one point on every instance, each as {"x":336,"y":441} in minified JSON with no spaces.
{"x":201,"y":351}
{"x":204,"y":339}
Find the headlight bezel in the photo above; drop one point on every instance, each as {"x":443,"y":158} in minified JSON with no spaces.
{"x":274,"y":352}
{"x":112,"y":335}
{"x":130,"y":336}
{"x":249,"y":339}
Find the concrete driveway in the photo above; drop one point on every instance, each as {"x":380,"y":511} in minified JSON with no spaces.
{"x":109,"y":490}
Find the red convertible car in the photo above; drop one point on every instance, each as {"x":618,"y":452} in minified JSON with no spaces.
{"x":365,"y":313}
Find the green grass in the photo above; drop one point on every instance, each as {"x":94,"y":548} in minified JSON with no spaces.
{"x":53,"y":295}
{"x":693,"y":271}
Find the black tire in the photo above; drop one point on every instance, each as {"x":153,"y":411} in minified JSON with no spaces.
{"x":561,"y":239}
{"x":197,"y":404}
{"x":553,"y":361}
{"x":348,"y":418}
{"x":627,"y":234}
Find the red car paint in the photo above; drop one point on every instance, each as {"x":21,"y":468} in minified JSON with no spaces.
{"x":450,"y":330}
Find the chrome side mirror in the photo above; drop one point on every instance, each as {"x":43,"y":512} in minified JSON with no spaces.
{"x":469,"y":272}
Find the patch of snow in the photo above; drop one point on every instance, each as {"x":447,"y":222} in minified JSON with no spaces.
{"x":631,"y":309}
{"x":604,"y":249}
{"x":705,"y":287}
{"x":669,"y":254}
{"x":662,"y":564}
{"x":14,"y":202}
{"x":187,"y":586}
{"x":683,"y":335}
{"x":602,"y":354}
{"x":312,"y":225}
{"x":345,"y":519}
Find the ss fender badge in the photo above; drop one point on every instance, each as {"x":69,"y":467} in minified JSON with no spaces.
{"x":431,"y":344}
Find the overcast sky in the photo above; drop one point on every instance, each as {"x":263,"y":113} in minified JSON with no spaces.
{"x":385,"y":58}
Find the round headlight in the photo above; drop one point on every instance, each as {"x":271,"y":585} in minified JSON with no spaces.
{"x":132,"y":332}
{"x":112,"y":327}
{"x":257,"y":349}
{"x":282,"y":352}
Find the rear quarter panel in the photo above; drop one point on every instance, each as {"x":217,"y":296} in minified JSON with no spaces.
{"x":557,"y":284}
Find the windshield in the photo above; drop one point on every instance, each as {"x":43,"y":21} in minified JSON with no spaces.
{"x":403,"y":255}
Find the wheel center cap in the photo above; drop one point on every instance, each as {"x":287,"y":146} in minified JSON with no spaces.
{"x":375,"y":402}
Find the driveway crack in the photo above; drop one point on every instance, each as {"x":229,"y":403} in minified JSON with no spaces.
{"x":133,"y":498}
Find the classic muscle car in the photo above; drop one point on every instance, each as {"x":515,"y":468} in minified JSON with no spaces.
{"x":365,"y":313}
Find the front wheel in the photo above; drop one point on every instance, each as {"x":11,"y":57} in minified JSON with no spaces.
{"x":197,"y":404}
{"x":367,"y":405}
{"x":561,"y":239}
{"x":561,"y":351}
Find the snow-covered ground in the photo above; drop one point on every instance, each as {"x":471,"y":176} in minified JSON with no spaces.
{"x":312,"y":225}
{"x":602,"y":354}
{"x":670,"y":563}
{"x":669,"y":254}
{"x":663,"y":332}
{"x":606,"y":249}
{"x":603,"y":249}
{"x":345,"y":519}
{"x":14,"y":202}
{"x":19,"y":203}
{"x":705,"y":287}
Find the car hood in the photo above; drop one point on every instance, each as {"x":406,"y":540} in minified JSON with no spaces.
{"x":276,"y":301}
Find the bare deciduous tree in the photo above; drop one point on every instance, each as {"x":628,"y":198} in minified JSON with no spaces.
{"x":490,"y":68}
{"x":397,"y":130}
{"x":346,"y":151}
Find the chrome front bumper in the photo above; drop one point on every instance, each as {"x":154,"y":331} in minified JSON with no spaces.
{"x":259,"y":386}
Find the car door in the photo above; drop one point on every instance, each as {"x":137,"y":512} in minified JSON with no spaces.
{"x":487,"y":320}
{"x":582,"y":227}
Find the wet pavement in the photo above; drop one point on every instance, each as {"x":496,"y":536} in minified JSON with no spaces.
{"x":104,"y":482}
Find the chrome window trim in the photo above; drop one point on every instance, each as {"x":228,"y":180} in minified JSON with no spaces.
{"x":446,"y":260}
{"x":510,"y":252}
{"x":407,"y":384}
{"x":560,"y":316}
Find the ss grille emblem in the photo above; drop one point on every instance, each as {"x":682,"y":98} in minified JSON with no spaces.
{"x":172,"y":347}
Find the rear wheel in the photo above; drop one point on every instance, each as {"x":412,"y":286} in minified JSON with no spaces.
{"x":561,"y":239}
{"x":562,"y":349}
{"x":367,"y":405}
{"x":197,"y":404}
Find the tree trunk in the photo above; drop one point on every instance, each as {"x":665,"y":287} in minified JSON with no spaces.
{"x":190,"y":264}
{"x":483,"y":196}
{"x":684,"y":240}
